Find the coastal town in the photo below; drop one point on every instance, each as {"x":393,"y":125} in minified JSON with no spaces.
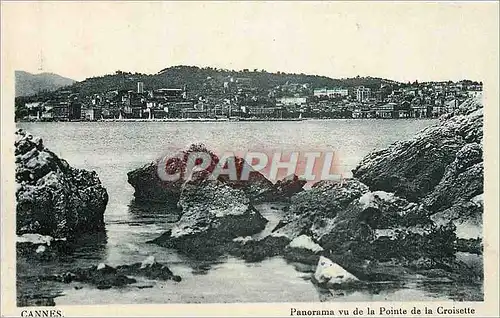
{"x":239,"y":97}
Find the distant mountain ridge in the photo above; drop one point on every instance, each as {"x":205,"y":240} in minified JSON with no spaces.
{"x":30,"y":84}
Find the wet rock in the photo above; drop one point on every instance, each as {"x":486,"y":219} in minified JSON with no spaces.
{"x":36,"y":239}
{"x":105,"y":269}
{"x":471,"y":246}
{"x":104,"y":276}
{"x":258,"y":250}
{"x":149,"y":268}
{"x":411,"y":168}
{"x":242,"y":239}
{"x":374,"y":227}
{"x":327,"y":197}
{"x":467,"y":217}
{"x":145,"y":286}
{"x":213,"y":214}
{"x":303,"y":249}
{"x":380,"y":226}
{"x":462,"y":181}
{"x":286,"y":188}
{"x":305,"y":242}
{"x":255,"y":185}
{"x":149,"y":186}
{"x":328,"y":272}
{"x":324,"y":200}
{"x":148,"y":262}
{"x":42,"y":302}
{"x":41,"y":247}
{"x":52,"y":197}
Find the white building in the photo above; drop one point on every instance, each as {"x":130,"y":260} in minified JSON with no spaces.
{"x":33,"y":105}
{"x":337,"y":92}
{"x":319,"y":92}
{"x":292,"y":101}
{"x":331,"y":92}
{"x":88,"y":113}
{"x":140,"y":87}
{"x":363,"y":94}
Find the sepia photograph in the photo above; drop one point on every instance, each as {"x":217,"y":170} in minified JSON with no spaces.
{"x":248,"y":153}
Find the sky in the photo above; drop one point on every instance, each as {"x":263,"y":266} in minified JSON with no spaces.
{"x":399,"y":41}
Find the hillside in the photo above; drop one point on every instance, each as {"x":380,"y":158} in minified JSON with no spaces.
{"x":31,"y":84}
{"x":203,"y":80}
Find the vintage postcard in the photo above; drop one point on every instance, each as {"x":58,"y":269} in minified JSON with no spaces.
{"x":312,"y":159}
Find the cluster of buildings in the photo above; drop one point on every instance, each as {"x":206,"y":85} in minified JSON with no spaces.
{"x":425,"y":100}
{"x":239,"y":98}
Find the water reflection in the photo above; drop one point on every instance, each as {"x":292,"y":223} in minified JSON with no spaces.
{"x":82,"y":251}
{"x":89,"y":246}
{"x":152,"y":213}
{"x":454,"y":291}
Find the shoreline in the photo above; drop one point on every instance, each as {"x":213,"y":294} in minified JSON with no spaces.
{"x":210,"y":120}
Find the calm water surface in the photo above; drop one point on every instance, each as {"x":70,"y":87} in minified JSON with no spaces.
{"x":114,"y":148}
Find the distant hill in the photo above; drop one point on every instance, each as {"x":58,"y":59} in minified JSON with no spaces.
{"x":208,"y":79}
{"x":198,"y":81}
{"x":31,"y":84}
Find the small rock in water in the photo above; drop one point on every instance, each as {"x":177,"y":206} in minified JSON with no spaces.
{"x":68,"y":277}
{"x":305,"y":242}
{"x":330,"y":272}
{"x":40,"y":249}
{"x":104,"y":286}
{"x":148,"y":262}
{"x":35,"y":239}
{"x":144,"y":286}
{"x":176,"y":278}
{"x":242,"y":239}
{"x":106,"y":269}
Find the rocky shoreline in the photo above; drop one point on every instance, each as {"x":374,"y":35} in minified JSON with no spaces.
{"x":52,"y":197}
{"x":410,"y":207}
{"x":412,"y":211}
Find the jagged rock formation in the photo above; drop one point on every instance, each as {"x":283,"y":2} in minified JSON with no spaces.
{"x":150,"y":187}
{"x":103,"y":276}
{"x":422,"y":203}
{"x":442,"y":167}
{"x":212,"y":213}
{"x":54,"y":198}
{"x":409,"y":208}
{"x":413,"y":169}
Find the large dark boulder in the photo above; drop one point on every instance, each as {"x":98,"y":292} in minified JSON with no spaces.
{"x":359,"y":226}
{"x":256,"y":250}
{"x":421,"y":206}
{"x":255,"y":185}
{"x":381,"y":226}
{"x":54,"y":198}
{"x":104,"y":276}
{"x":288,"y":187}
{"x":413,"y":168}
{"x":150,"y":187}
{"x":463,"y":180}
{"x":213,"y":213}
{"x":324,"y":200}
